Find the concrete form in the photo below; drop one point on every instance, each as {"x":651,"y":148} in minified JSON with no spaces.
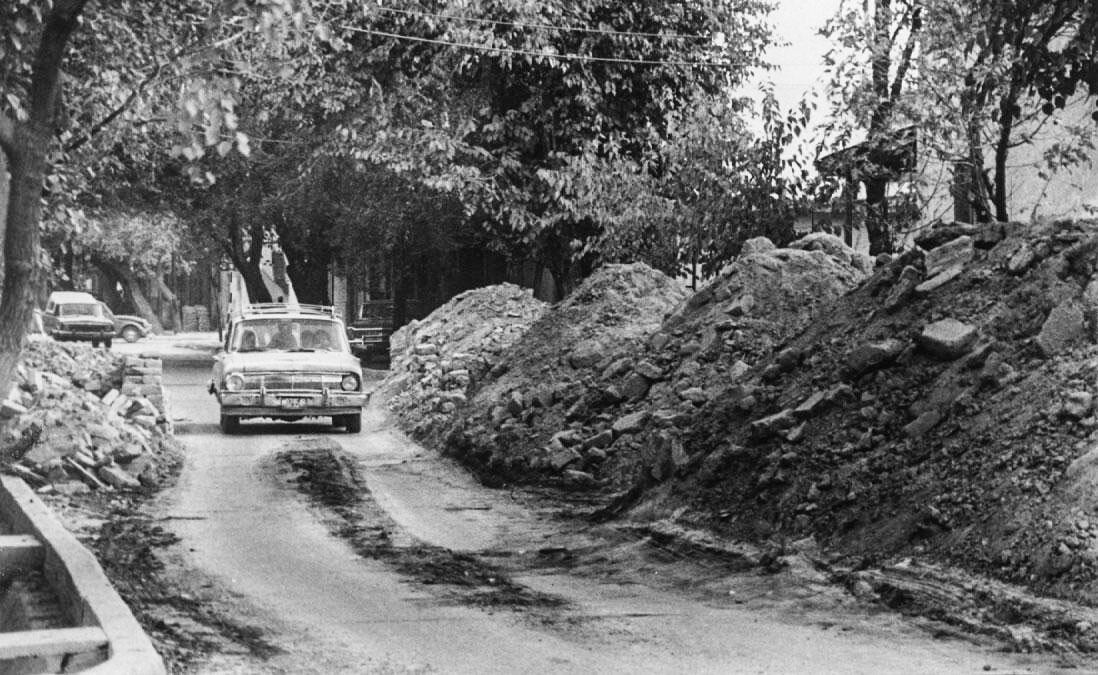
{"x":101,"y":634}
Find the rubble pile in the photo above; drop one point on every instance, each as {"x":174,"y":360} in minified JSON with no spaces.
{"x":946,"y":408}
{"x":628,"y":399}
{"x":80,"y":419}
{"x":437,"y":361}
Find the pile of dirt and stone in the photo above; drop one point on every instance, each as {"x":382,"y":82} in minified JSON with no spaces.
{"x":436,"y":362}
{"x":944,"y":409}
{"x":83,"y":419}
{"x":626,"y":362}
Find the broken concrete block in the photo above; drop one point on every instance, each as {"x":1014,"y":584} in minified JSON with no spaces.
{"x":1063,"y":328}
{"x":694,"y":395}
{"x":117,"y":477}
{"x":562,"y":457}
{"x":952,"y":254}
{"x":872,"y":356}
{"x":631,"y":423}
{"x":947,"y":339}
{"x":600,"y":440}
{"x":939,"y":280}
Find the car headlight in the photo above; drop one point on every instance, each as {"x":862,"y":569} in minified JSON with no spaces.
{"x":234,"y":382}
{"x":350,"y":382}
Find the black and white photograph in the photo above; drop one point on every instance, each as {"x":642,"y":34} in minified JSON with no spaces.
{"x":548,"y":336}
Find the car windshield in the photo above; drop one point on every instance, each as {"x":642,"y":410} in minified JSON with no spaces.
{"x":81,"y":309}
{"x":270,"y":334}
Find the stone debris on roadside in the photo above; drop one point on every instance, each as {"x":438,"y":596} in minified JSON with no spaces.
{"x":82,"y":414}
{"x":630,"y":356}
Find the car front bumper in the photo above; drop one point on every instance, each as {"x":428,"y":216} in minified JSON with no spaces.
{"x":306,"y":404}
{"x":63,"y":334}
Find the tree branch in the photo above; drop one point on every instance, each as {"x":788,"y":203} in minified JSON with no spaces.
{"x":905,"y":58}
{"x":47,"y":61}
{"x":113,"y":115}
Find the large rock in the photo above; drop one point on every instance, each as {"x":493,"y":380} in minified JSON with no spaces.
{"x":649,"y":370}
{"x":1063,"y":328}
{"x":872,"y":356}
{"x":757,"y":245}
{"x":635,"y":387}
{"x":947,"y":339}
{"x":949,"y":255}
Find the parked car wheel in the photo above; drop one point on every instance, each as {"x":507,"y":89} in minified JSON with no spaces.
{"x":107,"y":343}
{"x":230,"y":424}
{"x":131,"y":334}
{"x":95,"y":343}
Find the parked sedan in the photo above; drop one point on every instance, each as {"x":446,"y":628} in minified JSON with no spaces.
{"x":74,"y":315}
{"x":129,"y":327}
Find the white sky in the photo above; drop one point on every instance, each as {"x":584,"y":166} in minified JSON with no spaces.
{"x":800,"y":60}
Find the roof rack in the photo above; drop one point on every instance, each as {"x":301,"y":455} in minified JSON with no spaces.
{"x":287,"y":308}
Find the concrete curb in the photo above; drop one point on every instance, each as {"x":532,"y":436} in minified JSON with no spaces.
{"x":80,"y":583}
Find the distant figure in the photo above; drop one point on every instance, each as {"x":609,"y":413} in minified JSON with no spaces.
{"x":284,"y":338}
{"x":248,"y":341}
{"x":321,"y":339}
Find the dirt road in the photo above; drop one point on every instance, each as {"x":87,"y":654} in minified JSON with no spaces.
{"x":364,"y":553}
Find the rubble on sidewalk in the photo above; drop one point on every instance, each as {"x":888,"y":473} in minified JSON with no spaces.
{"x":79,"y":414}
{"x":436,"y":361}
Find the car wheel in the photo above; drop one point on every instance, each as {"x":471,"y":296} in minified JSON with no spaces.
{"x":107,"y":343}
{"x":230,"y":424}
{"x":353,"y":423}
{"x":95,"y":343}
{"x":131,"y":334}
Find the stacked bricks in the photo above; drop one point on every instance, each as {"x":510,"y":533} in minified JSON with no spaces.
{"x":143,"y":377}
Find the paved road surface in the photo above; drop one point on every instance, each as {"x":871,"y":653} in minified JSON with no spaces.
{"x":336,"y":612}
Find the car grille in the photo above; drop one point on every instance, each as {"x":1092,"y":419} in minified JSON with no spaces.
{"x":293,"y":381}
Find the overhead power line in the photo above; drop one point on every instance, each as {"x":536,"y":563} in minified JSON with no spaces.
{"x":547,"y":55}
{"x":544,"y":26}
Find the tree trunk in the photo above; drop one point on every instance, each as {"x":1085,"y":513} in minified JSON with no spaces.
{"x":253,"y":279}
{"x":27,"y":163}
{"x":978,"y":194}
{"x":26,"y":146}
{"x":1002,"y":151}
{"x":876,"y":216}
{"x":131,"y":290}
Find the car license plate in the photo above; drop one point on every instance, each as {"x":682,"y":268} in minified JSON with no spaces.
{"x":294,"y":402}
